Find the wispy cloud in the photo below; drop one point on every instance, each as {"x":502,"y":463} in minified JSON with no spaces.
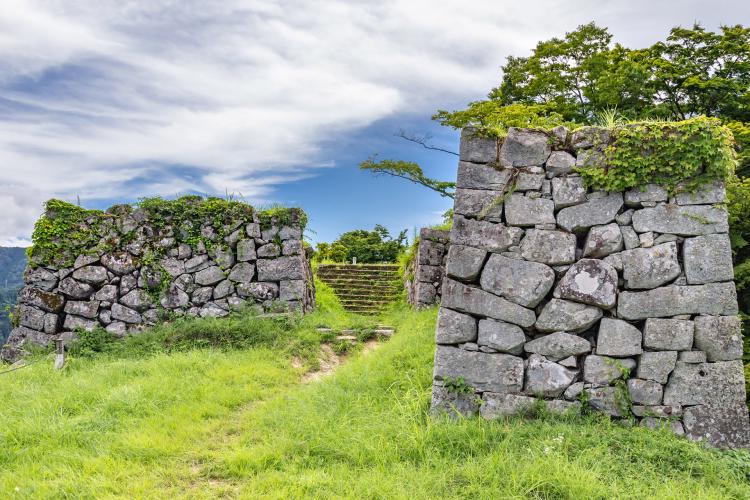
{"x":121,"y":99}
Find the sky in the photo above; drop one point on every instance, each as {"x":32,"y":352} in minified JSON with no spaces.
{"x":272,"y":101}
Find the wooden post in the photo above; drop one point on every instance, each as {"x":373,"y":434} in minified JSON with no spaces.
{"x":59,"y":354}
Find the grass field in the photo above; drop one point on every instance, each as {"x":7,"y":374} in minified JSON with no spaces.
{"x":159,"y":417}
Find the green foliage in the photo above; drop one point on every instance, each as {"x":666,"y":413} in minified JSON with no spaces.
{"x":409,"y":171}
{"x":241,"y":424}
{"x":689,"y":152}
{"x":692,"y":72}
{"x":282,"y":216}
{"x":741,"y":133}
{"x":368,"y":247}
{"x":492,"y":118}
{"x":331,"y":252}
{"x":65,"y":231}
{"x":457,"y":385}
{"x":738,"y":205}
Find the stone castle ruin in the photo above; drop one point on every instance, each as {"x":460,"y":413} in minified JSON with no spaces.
{"x":134,"y":266}
{"x":423,"y":278}
{"x":559,"y":295}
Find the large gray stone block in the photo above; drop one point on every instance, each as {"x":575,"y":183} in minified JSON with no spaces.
{"x":505,"y":405}
{"x":476,"y":148}
{"x":708,"y":259}
{"x":618,"y":338}
{"x":706,"y":194}
{"x":568,"y":191}
{"x":560,"y":163}
{"x":645,"y":268}
{"x":478,"y":176}
{"x":602,"y":241}
{"x":481,"y":371}
{"x":472,"y":300}
{"x":209,"y":276}
{"x":259,"y":291}
{"x":292,"y":290}
{"x":246,"y":250}
{"x":52,"y":302}
{"x":94,"y":275}
{"x":589,"y":281}
{"x":720,"y":337}
{"x":501,"y":336}
{"x":244,"y":272}
{"x":657,"y":365}
{"x":706,"y":383}
{"x":607,"y":400}
{"x":453,"y":404}
{"x":137,"y":299}
{"x":645,"y":392}
{"x":723,"y":426}
{"x":649,"y":193}
{"x":483,"y":234}
{"x":86,"y":309}
{"x":125,"y":314}
{"x":549,"y":247}
{"x":465,"y":263}
{"x":559,"y":345}
{"x":668,"y":334}
{"x":455,"y":328}
{"x":564,"y":315}
{"x":588,"y":137}
{"x":430,"y":252}
{"x":38,"y":277}
{"x":30,"y":317}
{"x":120,"y":263}
{"x":601,"y":370}
{"x":712,"y":299}
{"x":524,"y":148}
{"x":692,"y":220}
{"x":282,"y":268}
{"x":595,"y":212}
{"x":547,"y":379}
{"x":525,"y":283}
{"x":479,"y":203}
{"x":524,"y":211}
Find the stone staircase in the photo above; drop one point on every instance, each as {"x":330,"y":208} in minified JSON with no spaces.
{"x":362,"y":288}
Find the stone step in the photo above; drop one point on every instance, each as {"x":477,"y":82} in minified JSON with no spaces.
{"x":374,"y":277}
{"x":382,"y":283}
{"x":376,"y":267}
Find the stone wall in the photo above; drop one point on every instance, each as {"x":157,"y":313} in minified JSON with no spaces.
{"x":554,"y":292}
{"x":424,"y":276}
{"x":140,"y":273}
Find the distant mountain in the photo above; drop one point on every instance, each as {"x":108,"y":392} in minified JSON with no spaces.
{"x":12,"y":264}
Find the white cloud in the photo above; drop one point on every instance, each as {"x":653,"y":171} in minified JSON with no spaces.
{"x":100,"y":98}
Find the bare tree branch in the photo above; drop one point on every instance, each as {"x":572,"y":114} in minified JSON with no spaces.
{"x":422,"y":141}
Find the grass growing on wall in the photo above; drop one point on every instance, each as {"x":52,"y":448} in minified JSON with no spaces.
{"x":204,"y":423}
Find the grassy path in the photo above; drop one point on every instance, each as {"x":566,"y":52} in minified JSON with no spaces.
{"x":208,"y":424}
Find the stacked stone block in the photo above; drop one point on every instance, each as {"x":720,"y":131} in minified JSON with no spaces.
{"x":425,"y":274}
{"x":127,"y":288}
{"x":559,"y":293}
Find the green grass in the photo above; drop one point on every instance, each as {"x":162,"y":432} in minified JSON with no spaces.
{"x":205,"y":423}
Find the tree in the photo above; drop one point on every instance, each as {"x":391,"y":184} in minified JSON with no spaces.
{"x":367,"y":247}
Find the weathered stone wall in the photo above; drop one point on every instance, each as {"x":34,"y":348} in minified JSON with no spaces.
{"x":139,"y":273}
{"x":554,"y":292}
{"x":424,"y":277}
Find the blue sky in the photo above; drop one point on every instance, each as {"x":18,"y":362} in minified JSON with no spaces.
{"x":279,"y":100}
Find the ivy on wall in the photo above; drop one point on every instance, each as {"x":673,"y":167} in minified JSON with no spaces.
{"x":678,"y":155}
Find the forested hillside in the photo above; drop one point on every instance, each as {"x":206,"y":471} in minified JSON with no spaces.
{"x":12,"y":264}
